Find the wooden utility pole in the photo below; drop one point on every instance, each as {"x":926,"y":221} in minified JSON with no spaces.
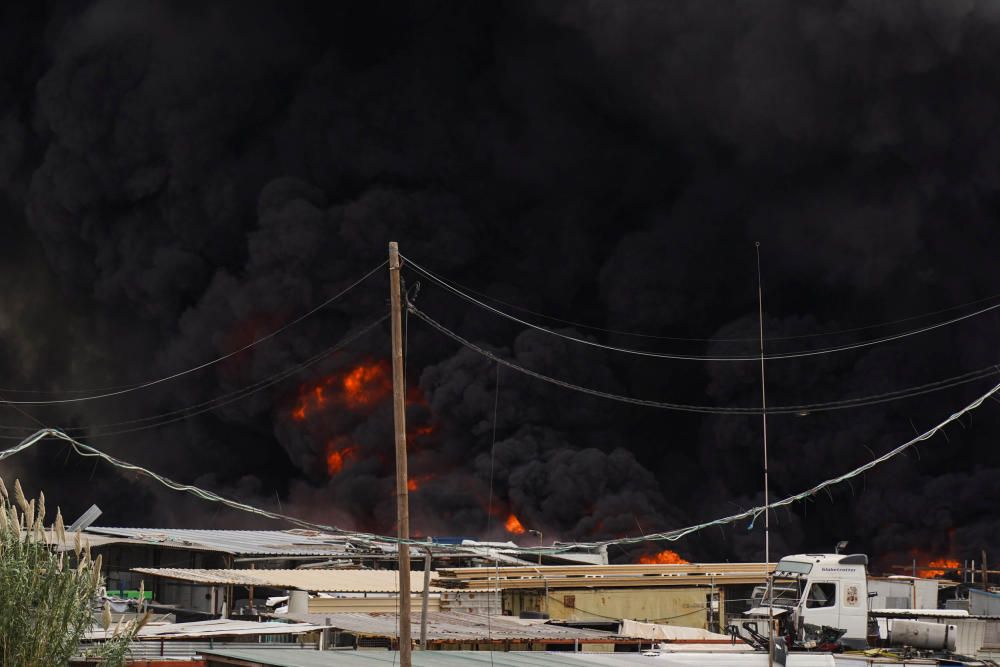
{"x":399,"y":418}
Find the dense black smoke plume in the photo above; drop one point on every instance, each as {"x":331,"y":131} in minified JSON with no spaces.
{"x":179,"y":180}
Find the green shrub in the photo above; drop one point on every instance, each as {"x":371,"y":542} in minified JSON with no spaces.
{"x":47,"y":593}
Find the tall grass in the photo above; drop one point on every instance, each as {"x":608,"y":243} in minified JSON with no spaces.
{"x":47,"y":594}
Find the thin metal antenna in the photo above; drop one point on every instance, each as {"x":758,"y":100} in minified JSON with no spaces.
{"x":763,"y":405}
{"x":767,"y":510}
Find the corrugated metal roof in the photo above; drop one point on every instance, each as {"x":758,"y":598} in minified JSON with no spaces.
{"x":86,"y":539}
{"x":456,"y":626}
{"x":221,"y":627}
{"x":294,"y":658}
{"x":333,"y":581}
{"x":245,"y":542}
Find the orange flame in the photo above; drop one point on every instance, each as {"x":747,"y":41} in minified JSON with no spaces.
{"x":367,"y":384}
{"x":336,"y":458}
{"x":513,"y":525}
{"x":310,"y":398}
{"x":938,"y":567}
{"x":665,"y":557}
{"x":415,"y":483}
{"x":362,"y":386}
{"x":420,"y":431}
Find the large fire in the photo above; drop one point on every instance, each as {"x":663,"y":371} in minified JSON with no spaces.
{"x":927,"y":565}
{"x":367,"y":384}
{"x":355,"y":390}
{"x":360,"y":387}
{"x":513,"y":525}
{"x":938,"y":568}
{"x":665,"y":557}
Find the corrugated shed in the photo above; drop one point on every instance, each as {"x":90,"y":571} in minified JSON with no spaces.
{"x":244,"y":542}
{"x":457,"y":627}
{"x":329,"y":581}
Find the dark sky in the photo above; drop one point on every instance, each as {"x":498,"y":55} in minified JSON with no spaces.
{"x":179,"y":179}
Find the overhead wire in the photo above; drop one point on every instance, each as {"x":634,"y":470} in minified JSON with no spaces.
{"x":716,"y":339}
{"x":150,"y":383}
{"x":697,"y":357}
{"x":163,"y":419}
{"x":862,"y":401}
{"x":89,"y":451}
{"x":753,"y":513}
{"x":672,"y":535}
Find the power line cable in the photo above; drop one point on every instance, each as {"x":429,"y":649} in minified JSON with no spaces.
{"x":753,"y":513}
{"x":671,"y":536}
{"x":699,"y":357}
{"x":709,"y":409}
{"x":91,"y":452}
{"x":637,"y":334}
{"x":118,"y":391}
{"x":211,"y":404}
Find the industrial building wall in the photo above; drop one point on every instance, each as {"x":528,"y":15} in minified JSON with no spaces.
{"x":982,"y":603}
{"x":471,"y":602}
{"x":674,"y":606}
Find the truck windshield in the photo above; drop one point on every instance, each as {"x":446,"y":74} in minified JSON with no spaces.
{"x":785,"y":593}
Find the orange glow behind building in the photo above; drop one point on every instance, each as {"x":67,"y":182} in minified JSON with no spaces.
{"x":665,"y":557}
{"x":513,"y":525}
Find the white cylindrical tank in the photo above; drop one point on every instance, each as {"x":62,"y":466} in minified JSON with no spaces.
{"x":921,"y":634}
{"x":298,"y":602}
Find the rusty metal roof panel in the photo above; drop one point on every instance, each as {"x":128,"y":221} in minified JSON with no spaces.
{"x":456,"y":626}
{"x":220,"y":627}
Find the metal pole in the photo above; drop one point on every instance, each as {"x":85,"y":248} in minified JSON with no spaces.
{"x":399,"y":419}
{"x":540,"y":543}
{"x":426,"y":595}
{"x":767,"y":511}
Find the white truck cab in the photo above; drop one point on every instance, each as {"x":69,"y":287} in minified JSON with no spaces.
{"x":818,"y":603}
{"x":833,"y":592}
{"x":812,"y":591}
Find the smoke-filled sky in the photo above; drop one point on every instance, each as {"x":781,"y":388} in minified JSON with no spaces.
{"x":177,"y":180}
